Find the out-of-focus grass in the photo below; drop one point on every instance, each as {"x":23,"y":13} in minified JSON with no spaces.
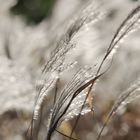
{"x":34,"y":11}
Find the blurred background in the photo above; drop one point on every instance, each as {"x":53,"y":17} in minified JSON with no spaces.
{"x":34,"y":11}
{"x":29,"y":31}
